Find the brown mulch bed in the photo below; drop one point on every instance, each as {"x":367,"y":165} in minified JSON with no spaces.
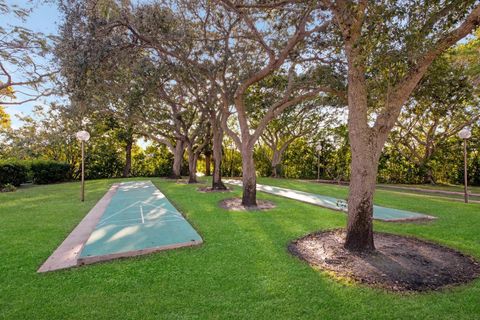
{"x":209,"y":189}
{"x":399,"y":263}
{"x":235,"y":204}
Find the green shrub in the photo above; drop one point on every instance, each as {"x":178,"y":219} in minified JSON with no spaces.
{"x":8,"y":188}
{"x":44,"y":172}
{"x":13,"y":172}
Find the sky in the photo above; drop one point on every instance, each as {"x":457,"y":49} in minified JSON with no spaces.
{"x":44,"y":18}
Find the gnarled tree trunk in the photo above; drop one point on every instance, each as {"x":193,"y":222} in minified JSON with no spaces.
{"x":217,"y":133}
{"x":249,"y":178}
{"x":178,"y":159}
{"x":363,"y":177}
{"x":208,"y":156}
{"x":276,"y":160}
{"x":277,"y":156}
{"x":192,"y":165}
{"x":128,"y":159}
{"x":364,"y":163}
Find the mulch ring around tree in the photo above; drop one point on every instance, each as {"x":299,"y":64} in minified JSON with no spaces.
{"x":207,"y":189}
{"x":399,"y":264}
{"x":235,"y":204}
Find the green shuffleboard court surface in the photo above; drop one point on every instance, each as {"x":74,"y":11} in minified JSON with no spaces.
{"x":139,"y":219}
{"x":379,"y":213}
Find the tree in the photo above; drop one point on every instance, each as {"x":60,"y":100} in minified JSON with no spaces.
{"x":294,"y":123}
{"x":24,"y":68}
{"x":173,"y":36}
{"x":389,"y":47}
{"x":5,"y":117}
{"x":260,"y":44}
{"x":440,"y":107}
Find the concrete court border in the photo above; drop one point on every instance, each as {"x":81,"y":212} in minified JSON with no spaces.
{"x":66,"y":255}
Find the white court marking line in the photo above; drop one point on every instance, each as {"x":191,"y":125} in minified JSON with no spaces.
{"x":141,"y":212}
{"x":118,"y":212}
{"x":126,"y":224}
{"x":161,"y":206}
{"x":148,"y":220}
{"x":103,"y":221}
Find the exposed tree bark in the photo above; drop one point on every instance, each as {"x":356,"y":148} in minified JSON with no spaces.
{"x":364,"y":160}
{"x":193,"y":155}
{"x":278,"y":155}
{"x":217,"y":140}
{"x":128,"y":158}
{"x":192,"y":165}
{"x":276,"y":160}
{"x":208,"y":157}
{"x":249,"y":177}
{"x":178,"y":159}
{"x":360,"y":200}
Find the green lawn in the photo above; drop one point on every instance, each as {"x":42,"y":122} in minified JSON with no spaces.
{"x":242,"y":271}
{"x":424,"y":188}
{"x":442,"y":187}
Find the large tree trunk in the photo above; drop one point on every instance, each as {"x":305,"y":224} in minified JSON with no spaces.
{"x":178,"y":159}
{"x":360,"y":200}
{"x":128,"y":158}
{"x":364,"y":163}
{"x":428,"y":177}
{"x":192,"y":165}
{"x":217,"y":132}
{"x":208,"y":156}
{"x":249,"y":179}
{"x":276,"y":160}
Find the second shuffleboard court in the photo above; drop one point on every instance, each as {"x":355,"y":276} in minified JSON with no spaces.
{"x":139,"y":219}
{"x":379,"y":213}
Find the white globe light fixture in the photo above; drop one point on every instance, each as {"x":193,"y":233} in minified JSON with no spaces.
{"x":83,"y":136}
{"x":465,"y":134}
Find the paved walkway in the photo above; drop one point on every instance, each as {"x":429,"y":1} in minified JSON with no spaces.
{"x":379,"y":213}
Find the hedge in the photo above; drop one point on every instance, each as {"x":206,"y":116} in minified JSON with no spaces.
{"x":13,"y":172}
{"x":44,"y":171}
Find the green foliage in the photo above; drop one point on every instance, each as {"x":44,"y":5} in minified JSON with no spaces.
{"x":154,"y":161}
{"x":12,"y":172}
{"x":8,"y":188}
{"x":300,"y":161}
{"x":47,"y":171}
{"x":263,"y":165}
{"x":395,"y":168}
{"x":232,"y":162}
{"x":103,"y":161}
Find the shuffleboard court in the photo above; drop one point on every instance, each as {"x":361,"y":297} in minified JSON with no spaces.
{"x":139,"y":219}
{"x":379,"y":213}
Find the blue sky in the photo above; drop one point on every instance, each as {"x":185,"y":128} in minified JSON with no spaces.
{"x":44,"y":18}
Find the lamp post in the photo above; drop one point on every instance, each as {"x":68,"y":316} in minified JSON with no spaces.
{"x":83,"y":136}
{"x":464,"y":134}
{"x":319,"y":150}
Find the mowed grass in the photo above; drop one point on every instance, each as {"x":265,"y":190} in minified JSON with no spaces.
{"x":442,"y":187}
{"x":242,"y":271}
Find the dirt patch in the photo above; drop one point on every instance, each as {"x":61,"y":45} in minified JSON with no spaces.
{"x":399,"y":263}
{"x":206,"y":189}
{"x":235,"y":204}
